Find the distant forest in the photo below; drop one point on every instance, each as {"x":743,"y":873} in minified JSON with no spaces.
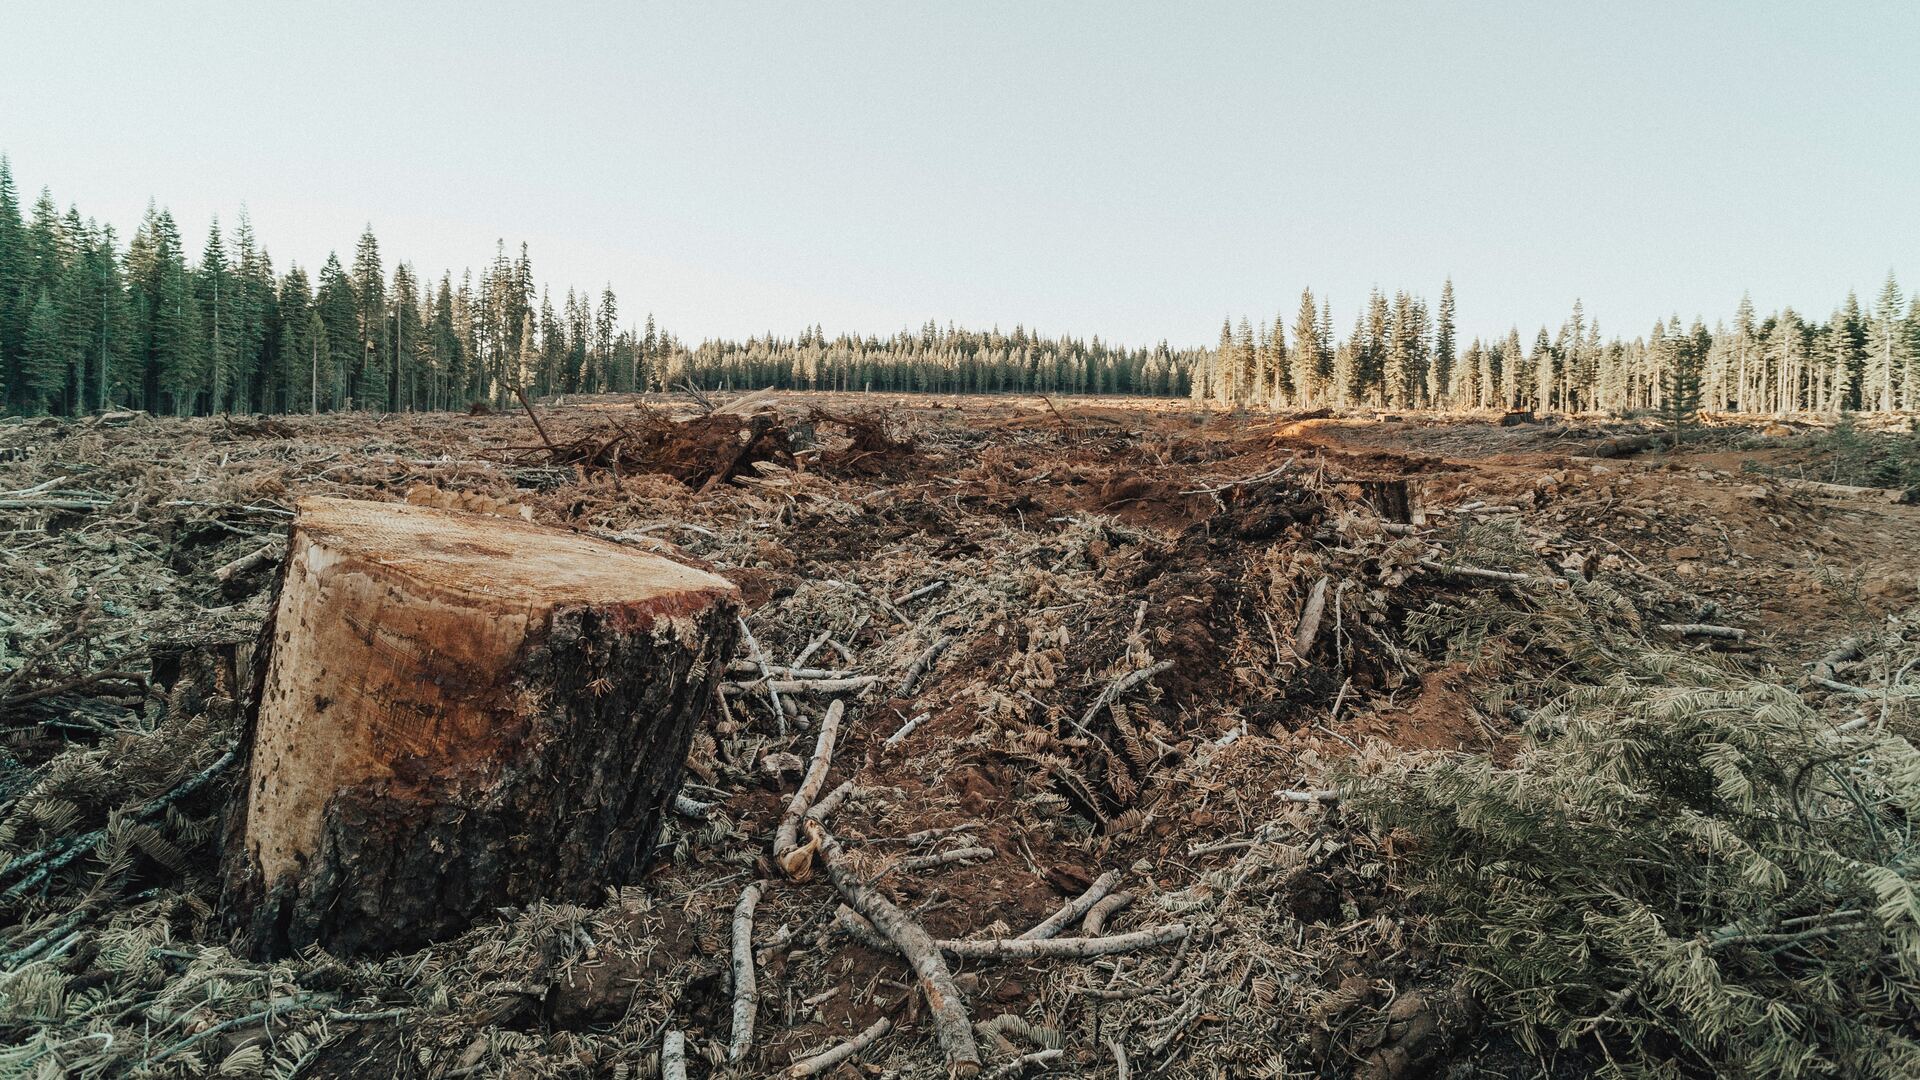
{"x":1402,"y":355}
{"x":88,"y":324}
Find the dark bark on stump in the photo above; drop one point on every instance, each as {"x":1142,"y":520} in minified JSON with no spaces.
{"x":428,"y":749}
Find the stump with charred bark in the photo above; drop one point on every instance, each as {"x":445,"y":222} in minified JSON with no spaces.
{"x":460,"y":713}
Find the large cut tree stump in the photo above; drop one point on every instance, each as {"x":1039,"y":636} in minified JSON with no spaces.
{"x":459,"y":713}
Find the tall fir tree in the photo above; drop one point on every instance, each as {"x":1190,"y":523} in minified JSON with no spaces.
{"x":1886,"y":349}
{"x":1442,"y":378}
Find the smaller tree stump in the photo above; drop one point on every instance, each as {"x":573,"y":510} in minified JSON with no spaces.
{"x":460,"y":713}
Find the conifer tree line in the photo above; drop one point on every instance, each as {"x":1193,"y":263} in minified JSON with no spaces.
{"x":87,"y":324}
{"x":939,"y":360}
{"x":1400,"y":354}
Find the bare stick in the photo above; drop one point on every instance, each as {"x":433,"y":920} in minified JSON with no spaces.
{"x":1073,"y":909}
{"x":1119,"y":1059}
{"x":923,"y":665}
{"x":1488,"y":575}
{"x":535,"y":417}
{"x":673,"y":1056}
{"x":1095,"y":923}
{"x":929,"y":862}
{"x":1072,"y":948}
{"x":1321,"y":795}
{"x":746,"y":991}
{"x":824,"y":809}
{"x":1828,"y":666}
{"x":1022,"y":1064}
{"x":906,"y":729}
{"x":944,"y":1003}
{"x":252,"y":560}
{"x":1120,"y":686}
{"x":690,"y":807}
{"x":753,"y":649}
{"x":812,"y":647}
{"x":1729,"y":633}
{"x":848,"y":922}
{"x":820,"y":1063}
{"x":805,"y":686}
{"x":924,"y":590}
{"x":787,"y":838}
{"x":1310,"y":618}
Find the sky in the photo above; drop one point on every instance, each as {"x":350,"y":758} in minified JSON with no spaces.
{"x":1137,"y":171}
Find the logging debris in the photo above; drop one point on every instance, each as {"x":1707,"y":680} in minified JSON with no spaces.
{"x":1084,"y":626}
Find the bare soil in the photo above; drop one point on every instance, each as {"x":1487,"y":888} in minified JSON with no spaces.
{"x":1055,"y":547}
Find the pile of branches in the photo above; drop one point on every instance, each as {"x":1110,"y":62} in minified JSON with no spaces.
{"x":1686,"y":871}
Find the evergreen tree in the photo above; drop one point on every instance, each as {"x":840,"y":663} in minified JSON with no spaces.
{"x":1886,"y":350}
{"x":14,"y":308}
{"x":370,"y":380}
{"x":1442,"y":379}
{"x":338,"y":306}
{"x":1680,"y":381}
{"x":1307,"y":382}
{"x":43,"y":366}
{"x":216,"y":294}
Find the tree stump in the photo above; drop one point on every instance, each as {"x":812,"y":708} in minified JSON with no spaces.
{"x":460,"y":713}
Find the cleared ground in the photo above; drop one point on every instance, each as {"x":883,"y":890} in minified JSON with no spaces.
{"x":1006,"y":569}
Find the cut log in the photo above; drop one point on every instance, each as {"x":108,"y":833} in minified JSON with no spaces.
{"x":460,"y":713}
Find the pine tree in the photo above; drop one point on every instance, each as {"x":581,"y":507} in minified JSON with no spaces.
{"x":43,"y":366}
{"x":1544,"y":368}
{"x":250,"y":310}
{"x":1442,"y":379}
{"x":1886,"y":350}
{"x":1307,"y":383}
{"x":216,"y":294}
{"x":338,"y":307}
{"x":371,"y":384}
{"x":13,"y":276}
{"x":295,"y":360}
{"x":1680,"y":381}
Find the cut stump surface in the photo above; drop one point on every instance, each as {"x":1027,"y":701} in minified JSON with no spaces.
{"x":461,"y":712}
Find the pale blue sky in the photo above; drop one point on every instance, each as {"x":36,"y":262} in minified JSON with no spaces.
{"x":1136,"y":171}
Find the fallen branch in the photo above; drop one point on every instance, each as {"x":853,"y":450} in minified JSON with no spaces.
{"x":812,"y":647}
{"x":1729,"y":633}
{"x":1828,"y":666}
{"x":1120,"y":686}
{"x":1309,"y":627}
{"x":1321,"y":795}
{"x":820,"y":1063}
{"x":746,"y":991}
{"x":906,"y":729}
{"x":1505,"y":576}
{"x":944,"y":1004}
{"x":773,"y":693}
{"x":924,"y":590}
{"x":1022,"y":1064}
{"x":922,"y":665}
{"x":52,"y":859}
{"x":673,"y":1056}
{"x":824,"y":809}
{"x":1070,"y":948}
{"x":686,"y":806}
{"x":1073,"y":909}
{"x":266,"y":553}
{"x":804,"y":686}
{"x":1095,"y":923}
{"x":786,"y":838}
{"x":929,"y":862}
